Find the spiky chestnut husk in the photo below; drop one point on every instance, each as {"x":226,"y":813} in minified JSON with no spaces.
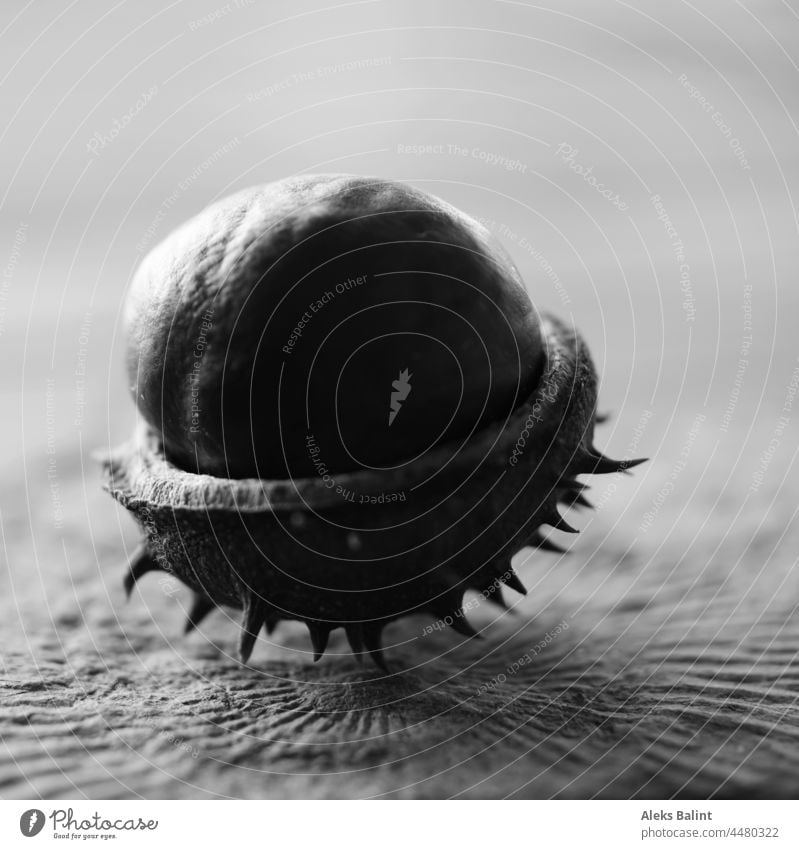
{"x":301,"y":549}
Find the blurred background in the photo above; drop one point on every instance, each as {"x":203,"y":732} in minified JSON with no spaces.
{"x":639,"y":161}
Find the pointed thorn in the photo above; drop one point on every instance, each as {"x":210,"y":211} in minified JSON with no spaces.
{"x":141,"y":563}
{"x":374,"y":645}
{"x":201,"y":606}
{"x":601,"y":418}
{"x":560,"y":524}
{"x":458,"y":622}
{"x":320,"y":634}
{"x":255,"y":611}
{"x":572,"y":493}
{"x":511,"y":579}
{"x":354,"y":632}
{"x":548,"y":545}
{"x":598,"y":464}
{"x":494,"y":594}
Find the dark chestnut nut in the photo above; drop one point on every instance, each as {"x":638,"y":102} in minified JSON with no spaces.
{"x":351,"y":410}
{"x":290,"y":310}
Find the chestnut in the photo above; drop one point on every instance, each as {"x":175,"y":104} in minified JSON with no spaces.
{"x":350,"y":410}
{"x":290,"y":309}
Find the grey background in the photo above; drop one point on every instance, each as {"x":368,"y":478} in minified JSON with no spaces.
{"x":249,"y":92}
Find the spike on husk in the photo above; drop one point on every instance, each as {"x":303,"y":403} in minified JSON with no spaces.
{"x":141,"y":563}
{"x":320,"y":633}
{"x":559,"y":523}
{"x":596,"y":463}
{"x":271,"y":622}
{"x":572,"y":494}
{"x":458,"y":622}
{"x":201,"y":606}
{"x":252,"y":620}
{"x":372,"y":638}
{"x":544,"y":544}
{"x":512,"y":580}
{"x":354,"y":632}
{"x":494,"y":594}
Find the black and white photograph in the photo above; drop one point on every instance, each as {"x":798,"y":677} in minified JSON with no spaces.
{"x":400,"y":403}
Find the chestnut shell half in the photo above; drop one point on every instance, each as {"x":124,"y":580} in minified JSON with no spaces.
{"x":374,"y":546}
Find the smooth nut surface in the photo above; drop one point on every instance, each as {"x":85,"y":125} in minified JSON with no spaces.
{"x":326,"y":323}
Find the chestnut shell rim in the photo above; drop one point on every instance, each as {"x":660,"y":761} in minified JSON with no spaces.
{"x":138,"y":471}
